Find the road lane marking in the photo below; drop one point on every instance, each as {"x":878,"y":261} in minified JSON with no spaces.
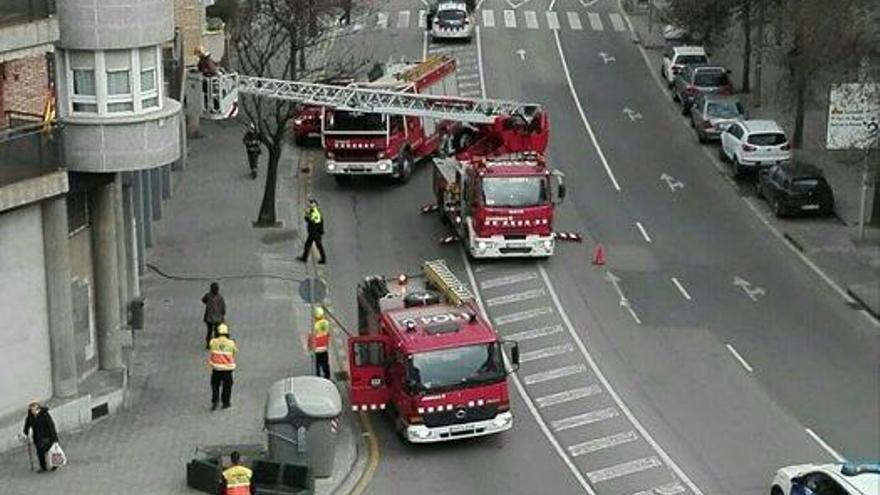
{"x":462,"y":77}
{"x":423,"y":19}
{"x":552,"y":20}
{"x":552,"y":351}
{"x":403,"y":19}
{"x":824,"y":445}
{"x":746,"y":286}
{"x":584,"y":419}
{"x":616,"y":21}
{"x":671,"y":182}
{"x":595,"y":21}
{"x":523,"y":315}
{"x":574,"y":21}
{"x":531,"y":19}
{"x":673,"y":488}
{"x":468,"y":84}
{"x":554,"y":374}
{"x":583,"y":115}
{"x":739,"y":358}
{"x":480,"y":64}
{"x":567,"y":396}
{"x":508,"y":280}
{"x":624,"y":469}
{"x":602,"y":443}
{"x":681,"y":288}
{"x":517,"y":297}
{"x":382,"y":20}
{"x":509,"y":19}
{"x":587,"y":3}
{"x":535,"y":333}
{"x":488,"y":18}
{"x":643,"y":231}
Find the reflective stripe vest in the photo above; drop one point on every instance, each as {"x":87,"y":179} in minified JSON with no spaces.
{"x":238,"y":480}
{"x":222,"y":357}
{"x":320,"y":338}
{"x":315,"y":215}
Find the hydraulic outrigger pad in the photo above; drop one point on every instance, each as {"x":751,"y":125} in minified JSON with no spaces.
{"x":568,"y":236}
{"x":449,"y":239}
{"x":430,"y":208}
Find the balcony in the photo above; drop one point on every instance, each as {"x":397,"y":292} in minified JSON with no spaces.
{"x":27,"y":28}
{"x":30,"y":164}
{"x":22,"y":11}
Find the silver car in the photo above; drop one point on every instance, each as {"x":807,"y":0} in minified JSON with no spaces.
{"x":451,"y":20}
{"x":711,"y":114}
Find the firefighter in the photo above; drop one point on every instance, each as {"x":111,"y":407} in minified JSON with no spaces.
{"x":252,"y":145}
{"x":315,"y":228}
{"x":221,"y":359}
{"x":237,"y":478}
{"x":319,"y":343}
{"x":206,"y":64}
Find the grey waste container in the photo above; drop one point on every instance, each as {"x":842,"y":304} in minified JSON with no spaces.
{"x":302,"y":420}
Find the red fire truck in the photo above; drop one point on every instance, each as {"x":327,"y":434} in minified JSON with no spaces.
{"x":430,"y":358}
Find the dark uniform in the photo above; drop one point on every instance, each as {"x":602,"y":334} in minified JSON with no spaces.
{"x":315,"y":229}
{"x":44,"y":434}
{"x":252,"y":145}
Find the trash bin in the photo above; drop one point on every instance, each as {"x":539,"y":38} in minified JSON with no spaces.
{"x":302,"y":420}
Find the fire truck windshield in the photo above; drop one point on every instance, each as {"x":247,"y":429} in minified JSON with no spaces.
{"x":514,"y":191}
{"x":354,"y":121}
{"x":455,"y":367}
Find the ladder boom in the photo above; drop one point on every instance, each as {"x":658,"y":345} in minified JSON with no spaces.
{"x":445,"y":281}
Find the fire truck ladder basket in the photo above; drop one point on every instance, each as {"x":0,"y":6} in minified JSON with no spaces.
{"x":442,"y":277}
{"x":354,"y":99}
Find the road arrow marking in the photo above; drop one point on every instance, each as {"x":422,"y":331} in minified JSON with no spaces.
{"x":632,"y":114}
{"x":624,"y":302}
{"x":608,"y":58}
{"x":746,"y":286}
{"x":671,"y":181}
{"x":522,"y":54}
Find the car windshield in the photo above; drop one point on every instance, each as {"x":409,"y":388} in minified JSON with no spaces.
{"x":807,"y":184}
{"x":710,"y":79}
{"x":691,"y":59}
{"x":354,"y":121}
{"x":724,"y":109}
{"x":514,"y":191}
{"x":767,"y":139}
{"x":455,"y":367}
{"x":451,"y":15}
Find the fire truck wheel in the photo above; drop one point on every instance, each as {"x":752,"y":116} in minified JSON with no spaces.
{"x":404,"y":167}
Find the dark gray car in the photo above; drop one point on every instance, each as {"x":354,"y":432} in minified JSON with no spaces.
{"x":695,"y":80}
{"x":711,"y":114}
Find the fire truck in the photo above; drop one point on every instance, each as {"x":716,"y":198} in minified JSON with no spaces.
{"x":426,"y":355}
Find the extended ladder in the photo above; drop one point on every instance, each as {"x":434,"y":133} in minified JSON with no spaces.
{"x":444,"y":280}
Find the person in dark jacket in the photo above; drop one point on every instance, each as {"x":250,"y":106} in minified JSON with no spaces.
{"x":252,"y":145}
{"x":315,"y":228}
{"x":215,"y":311}
{"x":40,"y":423}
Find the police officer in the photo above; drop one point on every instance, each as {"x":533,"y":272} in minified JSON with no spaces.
{"x":315,"y":228}
{"x":252,"y":145}
{"x":221,"y":359}
{"x":319,"y":343}
{"x":237,"y":478}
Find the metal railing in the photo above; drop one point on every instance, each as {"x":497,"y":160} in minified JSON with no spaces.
{"x":28,"y":151}
{"x":21,"y":11}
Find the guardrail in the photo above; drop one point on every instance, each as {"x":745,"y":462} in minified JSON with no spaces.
{"x":28,"y":151}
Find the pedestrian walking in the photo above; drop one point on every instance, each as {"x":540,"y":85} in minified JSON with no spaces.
{"x":315,"y":229}
{"x":40,"y":424}
{"x":215,"y":311}
{"x":237,"y":478}
{"x":319,"y":342}
{"x":252,"y":146}
{"x":221,"y":359}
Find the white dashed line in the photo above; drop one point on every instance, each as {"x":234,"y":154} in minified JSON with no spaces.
{"x":523,"y":315}
{"x":673,"y":488}
{"x":552,"y":20}
{"x":531,"y":19}
{"x":554,"y":374}
{"x":681,"y":288}
{"x":489,"y":18}
{"x":382,"y":20}
{"x":595,"y":21}
{"x":574,"y":21}
{"x":509,"y":19}
{"x":740,"y":358}
{"x":598,"y":444}
{"x":643,"y":231}
{"x":584,"y":419}
{"x":508,"y":280}
{"x":518,"y":297}
{"x":556,"y":350}
{"x":624,"y":469}
{"x":423,"y":19}
{"x":567,"y":396}
{"x":824,"y":445}
{"x":403,"y":19}
{"x":617,"y":21}
{"x":535,"y":333}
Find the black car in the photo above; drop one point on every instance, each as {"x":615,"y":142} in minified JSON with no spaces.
{"x":795,"y":188}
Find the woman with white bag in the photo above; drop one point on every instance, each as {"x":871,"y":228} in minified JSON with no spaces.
{"x":45,"y":437}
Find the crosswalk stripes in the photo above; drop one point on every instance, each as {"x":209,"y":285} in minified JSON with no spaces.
{"x":488,"y":18}
{"x":552,"y":20}
{"x":403,"y":19}
{"x":616,"y":21}
{"x":422,"y":19}
{"x":595,"y":21}
{"x":381,"y":20}
{"x":574,"y":21}
{"x":509,"y":19}
{"x":529,"y":19}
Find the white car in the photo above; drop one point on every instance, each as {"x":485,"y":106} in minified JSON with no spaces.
{"x":750,"y":145}
{"x":451,"y":20}
{"x":676,"y":57}
{"x":827,"y":479}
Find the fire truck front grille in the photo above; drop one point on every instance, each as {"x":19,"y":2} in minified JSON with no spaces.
{"x":460,"y":415}
{"x":356,"y":155}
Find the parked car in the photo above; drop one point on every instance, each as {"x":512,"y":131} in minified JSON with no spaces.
{"x":712,"y":113}
{"x":693,"y":80}
{"x":795,"y":188}
{"x":675,"y":36}
{"x":827,"y":479}
{"x":676,"y":57}
{"x":750,"y":145}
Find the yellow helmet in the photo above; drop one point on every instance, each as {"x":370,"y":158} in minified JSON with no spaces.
{"x":318,"y":312}
{"x":223,"y":329}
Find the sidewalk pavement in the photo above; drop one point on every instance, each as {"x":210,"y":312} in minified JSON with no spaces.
{"x":831,"y":244}
{"x":206,"y":235}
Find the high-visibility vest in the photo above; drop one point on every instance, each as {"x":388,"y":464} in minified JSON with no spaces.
{"x":222,"y":357}
{"x":320,"y":338}
{"x":315,"y":215}
{"x":238,"y":480}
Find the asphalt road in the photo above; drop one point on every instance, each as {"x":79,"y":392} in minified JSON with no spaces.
{"x":698,"y":384}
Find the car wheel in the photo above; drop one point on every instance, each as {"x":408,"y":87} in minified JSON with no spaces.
{"x":759,"y":192}
{"x":675,"y":95}
{"x":778,"y":209}
{"x":685,"y":108}
{"x":737,"y":168}
{"x":721,"y":155}
{"x":701,"y":136}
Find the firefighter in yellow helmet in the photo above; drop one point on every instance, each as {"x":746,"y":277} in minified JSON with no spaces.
{"x":319,"y":342}
{"x":237,"y":478}
{"x":221,"y":359}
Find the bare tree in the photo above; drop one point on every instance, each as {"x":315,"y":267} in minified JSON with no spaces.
{"x":705,"y":21}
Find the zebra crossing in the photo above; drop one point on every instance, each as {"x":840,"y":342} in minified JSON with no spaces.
{"x":509,"y":19}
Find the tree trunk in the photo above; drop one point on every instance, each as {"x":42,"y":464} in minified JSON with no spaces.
{"x":267,"y":216}
{"x":747,"y":47}
{"x":800,"y":97}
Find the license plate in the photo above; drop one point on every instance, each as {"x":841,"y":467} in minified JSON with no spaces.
{"x":459,"y":429}
{"x":810,"y":207}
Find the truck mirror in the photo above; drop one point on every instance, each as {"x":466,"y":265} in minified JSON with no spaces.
{"x":512,"y":348}
{"x":514,"y":355}
{"x":561,"y":192}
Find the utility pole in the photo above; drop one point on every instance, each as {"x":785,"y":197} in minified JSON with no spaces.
{"x":759,"y":55}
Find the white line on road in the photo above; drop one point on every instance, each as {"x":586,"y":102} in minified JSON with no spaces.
{"x":468,"y":84}
{"x":598,"y":444}
{"x":382,"y":20}
{"x":587,"y":3}
{"x":584,"y":419}
{"x":462,"y":77}
{"x":681,"y":288}
{"x":403,"y":19}
{"x":583,"y":115}
{"x":523,"y":315}
{"x":517,"y":297}
{"x":531,"y":19}
{"x":643,"y":231}
{"x":624,"y":469}
{"x":489,"y":18}
{"x":552,"y":20}
{"x":595,"y":21}
{"x":616,"y":21}
{"x":509,"y":19}
{"x":568,"y":396}
{"x":422,"y":19}
{"x":574,"y":21}
{"x":552,"y":3}
{"x":480,"y":63}
{"x":824,"y":445}
{"x":508,"y":280}
{"x":554,"y":374}
{"x":673,"y":488}
{"x":739,"y":358}
{"x":535,"y":333}
{"x":556,"y":350}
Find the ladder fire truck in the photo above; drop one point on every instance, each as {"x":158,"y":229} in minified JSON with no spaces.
{"x":430,"y":358}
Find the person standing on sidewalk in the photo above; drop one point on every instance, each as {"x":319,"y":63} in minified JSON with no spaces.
{"x":237,"y":478}
{"x":319,"y":343}
{"x":315,"y":229}
{"x":221,"y":359}
{"x":252,"y":145}
{"x":40,"y":423}
{"x":215,"y":311}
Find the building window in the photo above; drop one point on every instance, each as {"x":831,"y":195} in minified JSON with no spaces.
{"x":117,"y":64}
{"x":114,"y":82}
{"x":149,"y":77}
{"x":84,"y":95}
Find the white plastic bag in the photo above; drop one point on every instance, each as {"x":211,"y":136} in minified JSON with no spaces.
{"x":55,"y":457}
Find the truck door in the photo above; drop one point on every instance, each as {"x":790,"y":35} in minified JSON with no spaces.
{"x":369,"y":380}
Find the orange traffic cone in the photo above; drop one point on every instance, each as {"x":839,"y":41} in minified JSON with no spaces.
{"x":599,"y":255}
